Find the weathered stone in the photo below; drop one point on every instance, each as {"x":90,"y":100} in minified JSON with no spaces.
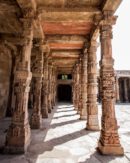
{"x":92,"y":109}
{"x":109,"y":139}
{"x":37,"y":69}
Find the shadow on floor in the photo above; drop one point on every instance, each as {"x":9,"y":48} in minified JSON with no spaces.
{"x":99,"y":158}
{"x":69,"y":115}
{"x":39,"y":145}
{"x":70,"y":110}
{"x":54,"y":125}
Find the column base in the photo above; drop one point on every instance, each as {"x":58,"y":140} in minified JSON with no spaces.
{"x":93,"y":128}
{"x":17,"y":140}
{"x":15,"y":150}
{"x":83,"y":117}
{"x":117,"y":101}
{"x":36,"y":121}
{"x":93,"y":123}
{"x":44,"y":113}
{"x":110,"y":150}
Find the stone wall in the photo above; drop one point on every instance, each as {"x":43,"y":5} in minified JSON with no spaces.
{"x":5,"y":72}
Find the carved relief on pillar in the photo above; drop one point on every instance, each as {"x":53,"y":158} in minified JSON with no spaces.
{"x":18,"y":135}
{"x":37,"y":69}
{"x":77,"y":87}
{"x":117,"y":89}
{"x":92,"y":108}
{"x":83,"y":113}
{"x":50,"y":86}
{"x":79,"y":100}
{"x":45,"y":86}
{"x":126,"y":90}
{"x":109,"y":139}
{"x":53,"y":87}
{"x":74,"y":87}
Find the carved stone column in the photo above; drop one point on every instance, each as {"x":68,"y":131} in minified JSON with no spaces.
{"x":53,"y":87}
{"x":45,"y":87}
{"x":126,"y":90}
{"x":18,"y":135}
{"x":117,"y":90}
{"x":83,"y":113}
{"x":80,"y":86}
{"x":73,"y":87}
{"x":37,"y":69}
{"x":92,"y":108}
{"x":49,"y":87}
{"x":109,"y":139}
{"x":76,"y":86}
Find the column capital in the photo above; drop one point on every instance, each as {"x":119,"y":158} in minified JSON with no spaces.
{"x":93,"y":46}
{"x":108,"y":19}
{"x":94,"y":43}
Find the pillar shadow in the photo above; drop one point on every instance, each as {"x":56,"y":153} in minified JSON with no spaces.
{"x":65,"y":116}
{"x":54,"y":125}
{"x":97,"y":157}
{"x":65,"y":111}
{"x":40,"y":147}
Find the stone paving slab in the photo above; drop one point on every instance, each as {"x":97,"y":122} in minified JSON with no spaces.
{"x":63,"y":139}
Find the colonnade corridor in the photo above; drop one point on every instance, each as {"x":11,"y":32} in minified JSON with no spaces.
{"x":64,"y":139}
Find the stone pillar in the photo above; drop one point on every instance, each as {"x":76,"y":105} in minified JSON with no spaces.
{"x":126,"y":90}
{"x":74,"y":88}
{"x":92,"y":108}
{"x":80,"y":86}
{"x":18,"y":135}
{"x":129,"y":89}
{"x":77,"y":88}
{"x":121,"y":89}
{"x":109,"y":139}
{"x":83,"y":113}
{"x":53,"y":87}
{"x":37,"y":69}
{"x":45,"y":87}
{"x":49,"y":86}
{"x":117,"y":90}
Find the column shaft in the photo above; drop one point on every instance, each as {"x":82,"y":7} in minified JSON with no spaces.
{"x":18,"y":135}
{"x":37,"y":69}
{"x":45,"y":88}
{"x":117,"y":90}
{"x":83,"y":113}
{"x":126,"y":90}
{"x":92,"y":108}
{"x":109,"y":139}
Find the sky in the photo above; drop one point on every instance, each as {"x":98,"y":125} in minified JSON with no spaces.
{"x":121,"y":37}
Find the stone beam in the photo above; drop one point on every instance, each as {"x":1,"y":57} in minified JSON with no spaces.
{"x":27,"y":4}
{"x":38,"y":31}
{"x":65,"y":27}
{"x":65,"y":38}
{"x":67,"y":16}
{"x":13,"y":40}
{"x":63,"y":46}
{"x":9,"y":23}
{"x":8,"y":7}
{"x":87,"y":9}
{"x":65,"y":54}
{"x":111,"y":5}
{"x":69,"y":4}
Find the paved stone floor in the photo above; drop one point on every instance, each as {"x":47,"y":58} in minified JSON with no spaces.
{"x":63,"y":139}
